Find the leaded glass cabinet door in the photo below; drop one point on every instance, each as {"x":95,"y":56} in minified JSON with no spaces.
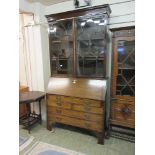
{"x":91,"y":45}
{"x":61,"y":42}
{"x":125,"y":66}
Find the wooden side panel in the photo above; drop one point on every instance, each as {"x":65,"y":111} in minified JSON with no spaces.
{"x":88,"y":109}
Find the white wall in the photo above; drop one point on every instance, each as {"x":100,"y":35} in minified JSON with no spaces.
{"x":39,"y":48}
{"x":25,"y":6}
{"x":36,"y":59}
{"x":123,"y":11}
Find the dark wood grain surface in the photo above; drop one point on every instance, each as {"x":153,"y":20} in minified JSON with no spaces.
{"x":31,"y":96}
{"x":78,"y":87}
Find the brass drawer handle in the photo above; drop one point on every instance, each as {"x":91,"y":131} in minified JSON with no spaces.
{"x":87,"y":108}
{"x":87,"y":124}
{"x":58,"y":111}
{"x":58,"y":103}
{"x":87,"y":103}
{"x":87,"y":116}
{"x":58,"y":99}
{"x":125,"y":110}
{"x":58,"y":118}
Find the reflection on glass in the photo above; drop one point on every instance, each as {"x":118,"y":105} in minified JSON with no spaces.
{"x":91,"y":45}
{"x":61,"y":42}
{"x":126,"y":53}
{"x":89,"y":66}
{"x":97,"y":83}
{"x":59,"y":83}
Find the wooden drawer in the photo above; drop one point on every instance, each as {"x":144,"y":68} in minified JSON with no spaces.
{"x":77,"y":122}
{"x":124,"y":100}
{"x":88,"y":109}
{"x":74,"y":114}
{"x":56,"y":102}
{"x":79,"y":101}
{"x":54,"y":98}
{"x":123,"y":112}
{"x":83,"y":105}
{"x":74,"y":100}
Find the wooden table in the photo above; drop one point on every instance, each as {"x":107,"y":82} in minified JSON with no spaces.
{"x":30,"y":119}
{"x":22,"y":107}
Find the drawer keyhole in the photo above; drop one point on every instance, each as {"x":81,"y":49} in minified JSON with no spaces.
{"x":126,"y":112}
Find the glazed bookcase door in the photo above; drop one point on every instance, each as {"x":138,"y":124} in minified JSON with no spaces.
{"x":78,"y":41}
{"x":91,"y":46}
{"x":61,"y":42}
{"x":124,"y":59}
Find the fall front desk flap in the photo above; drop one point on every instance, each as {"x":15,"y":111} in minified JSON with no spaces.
{"x":78,"y":87}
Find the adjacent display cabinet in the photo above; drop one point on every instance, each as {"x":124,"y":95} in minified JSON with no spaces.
{"x":123,"y":78}
{"x":78,"y":42}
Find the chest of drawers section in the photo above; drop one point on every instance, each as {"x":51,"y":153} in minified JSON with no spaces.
{"x":78,"y":112}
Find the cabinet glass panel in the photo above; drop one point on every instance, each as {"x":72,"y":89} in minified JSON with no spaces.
{"x":61,"y":42}
{"x":91,"y":45}
{"x":126,"y":68}
{"x":126,"y":54}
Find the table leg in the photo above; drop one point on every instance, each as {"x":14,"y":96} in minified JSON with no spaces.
{"x":40,"y":111}
{"x":28,"y":115}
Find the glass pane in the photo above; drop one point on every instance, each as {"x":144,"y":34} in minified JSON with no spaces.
{"x":81,"y":66}
{"x":61,"y":42}
{"x":126,"y":68}
{"x":54,"y":65}
{"x":100,"y":67}
{"x":128,"y":74}
{"x":126,"y":54}
{"x":91,"y":45}
{"x":89,"y":66}
{"x":120,"y":80}
{"x":127,"y":91}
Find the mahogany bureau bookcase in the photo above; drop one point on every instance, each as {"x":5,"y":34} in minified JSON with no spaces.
{"x":78,"y":102}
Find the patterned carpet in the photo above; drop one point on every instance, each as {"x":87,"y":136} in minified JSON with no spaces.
{"x":22,"y":140}
{"x":41,"y":148}
{"x":78,"y":141}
